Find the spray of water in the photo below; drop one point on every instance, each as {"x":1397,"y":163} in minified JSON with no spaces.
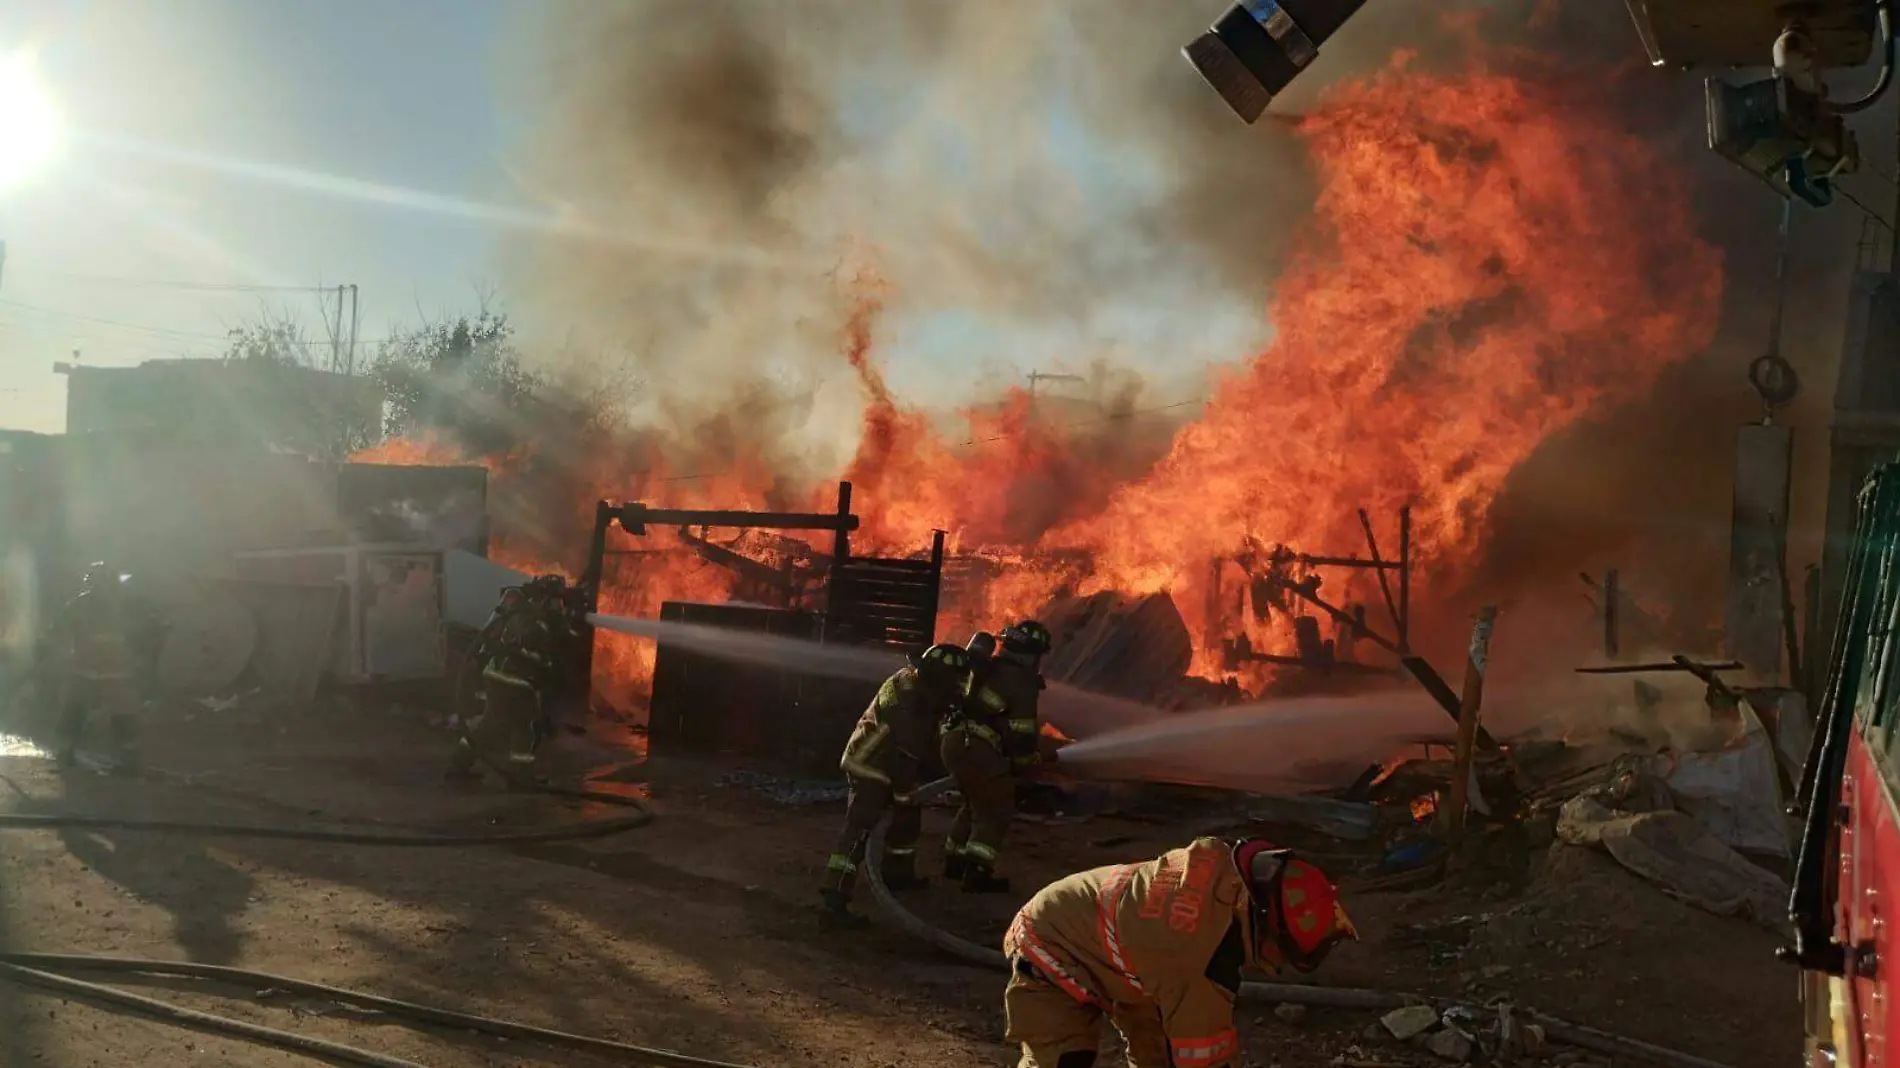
{"x":1077,"y":713}
{"x":1081,"y":714}
{"x":1272,"y":746}
{"x":12,"y":745}
{"x":772,"y":650}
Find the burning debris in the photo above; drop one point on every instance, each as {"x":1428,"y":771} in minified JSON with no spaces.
{"x":1456,"y":298}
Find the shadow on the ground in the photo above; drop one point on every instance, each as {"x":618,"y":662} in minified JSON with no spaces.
{"x":618,"y":944}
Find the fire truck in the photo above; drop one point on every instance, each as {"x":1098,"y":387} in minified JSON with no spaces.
{"x":1848,"y":866}
{"x":1790,"y":131}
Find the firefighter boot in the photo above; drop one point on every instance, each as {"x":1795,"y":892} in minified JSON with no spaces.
{"x":954,"y":862}
{"x":900,"y":870}
{"x":462,"y":763}
{"x":980,"y":878}
{"x":125,"y":746}
{"x":72,"y":726}
{"x":834,"y":913}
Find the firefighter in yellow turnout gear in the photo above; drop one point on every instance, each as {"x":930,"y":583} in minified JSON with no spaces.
{"x":106,"y":638}
{"x":1158,"y":949}
{"x":992,"y":742}
{"x":517,"y":674}
{"x":882,"y":762}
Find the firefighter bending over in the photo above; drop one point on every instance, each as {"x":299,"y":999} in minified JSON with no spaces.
{"x":882,"y":762}
{"x":520,"y":669}
{"x":988,"y":746}
{"x":1158,"y":949}
{"x":106,"y":640}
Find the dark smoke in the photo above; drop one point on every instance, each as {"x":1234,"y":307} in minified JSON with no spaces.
{"x":778,"y":154}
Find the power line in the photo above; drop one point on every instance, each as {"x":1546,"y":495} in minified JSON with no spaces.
{"x":162,"y":331}
{"x":1116,"y":418}
{"x":1871,"y":213}
{"x":167,"y":283}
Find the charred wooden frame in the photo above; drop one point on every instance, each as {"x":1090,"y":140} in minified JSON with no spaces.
{"x":1352,"y":620}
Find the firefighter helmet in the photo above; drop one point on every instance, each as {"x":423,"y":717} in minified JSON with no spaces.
{"x":942,"y":661}
{"x":1028,"y":637}
{"x":1297,"y":917}
{"x":982,"y":645}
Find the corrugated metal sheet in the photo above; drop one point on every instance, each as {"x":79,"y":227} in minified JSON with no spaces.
{"x":1110,"y":643}
{"x":297,"y":623}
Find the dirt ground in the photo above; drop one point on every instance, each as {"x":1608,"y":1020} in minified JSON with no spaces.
{"x":697,"y":933}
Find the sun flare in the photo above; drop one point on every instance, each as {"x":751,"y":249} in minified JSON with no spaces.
{"x":29,"y":122}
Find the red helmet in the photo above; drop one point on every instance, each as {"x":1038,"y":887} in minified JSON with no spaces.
{"x":1297,"y":917}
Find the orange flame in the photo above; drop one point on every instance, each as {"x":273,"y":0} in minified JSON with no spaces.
{"x":1476,"y":276}
{"x":1475,"y":279}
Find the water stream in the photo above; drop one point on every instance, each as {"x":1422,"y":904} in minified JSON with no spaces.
{"x":1268,"y":746}
{"x":12,"y":745}
{"x":1282,"y":744}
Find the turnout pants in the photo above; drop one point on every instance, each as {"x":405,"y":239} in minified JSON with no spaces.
{"x":989,"y":794}
{"x":509,"y":727}
{"x":869,"y":801}
{"x":116,"y":697}
{"x":1057,"y":1031}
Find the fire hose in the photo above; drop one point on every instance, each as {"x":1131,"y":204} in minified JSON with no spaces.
{"x":1319,"y":997}
{"x":46,"y":971}
{"x":43,"y":970}
{"x":583,"y":830}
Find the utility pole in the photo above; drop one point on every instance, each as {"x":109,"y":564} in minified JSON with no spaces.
{"x":336,"y":331}
{"x":1893,"y":225}
{"x":356,"y":322}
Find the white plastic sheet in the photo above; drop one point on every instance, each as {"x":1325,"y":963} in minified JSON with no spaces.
{"x":1734,"y":792}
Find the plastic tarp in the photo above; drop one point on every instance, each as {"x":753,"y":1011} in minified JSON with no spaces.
{"x":1681,"y":856}
{"x":472,"y":587}
{"x":1735,"y":792}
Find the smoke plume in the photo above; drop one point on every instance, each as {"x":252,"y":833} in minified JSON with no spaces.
{"x":782,"y":197}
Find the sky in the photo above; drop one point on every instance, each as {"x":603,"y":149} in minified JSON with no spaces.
{"x":185,"y":118}
{"x":227,"y":159}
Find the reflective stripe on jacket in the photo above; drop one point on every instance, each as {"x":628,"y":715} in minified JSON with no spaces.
{"x":897,"y":722}
{"x":1143,"y":935}
{"x":1019,"y":688}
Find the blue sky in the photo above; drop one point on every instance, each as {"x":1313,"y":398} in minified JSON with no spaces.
{"x":398,"y":94}
{"x":302,"y":144}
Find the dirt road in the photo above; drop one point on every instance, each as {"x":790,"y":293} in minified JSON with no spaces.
{"x":697,"y":933}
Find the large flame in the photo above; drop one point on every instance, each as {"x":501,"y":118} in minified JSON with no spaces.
{"x":1479,"y":274}
{"x":1491,"y":259}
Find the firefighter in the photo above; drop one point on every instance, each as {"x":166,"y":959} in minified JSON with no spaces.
{"x":1017,"y":679}
{"x":517,"y":674}
{"x":882,"y":762}
{"x":974,"y":749}
{"x":1001,"y":714}
{"x":1158,"y":949}
{"x":105,"y":637}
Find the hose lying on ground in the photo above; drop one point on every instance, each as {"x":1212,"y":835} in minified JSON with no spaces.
{"x":194,"y":1020}
{"x":571,"y":832}
{"x":32,"y":967}
{"x":1289,"y":993}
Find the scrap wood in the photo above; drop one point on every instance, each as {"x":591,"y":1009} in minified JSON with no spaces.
{"x":1470,"y":707}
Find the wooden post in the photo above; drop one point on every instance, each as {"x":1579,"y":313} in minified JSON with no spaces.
{"x":841,"y":542}
{"x":1468,"y":710}
{"x":1612,"y":624}
{"x":1405,"y":580}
